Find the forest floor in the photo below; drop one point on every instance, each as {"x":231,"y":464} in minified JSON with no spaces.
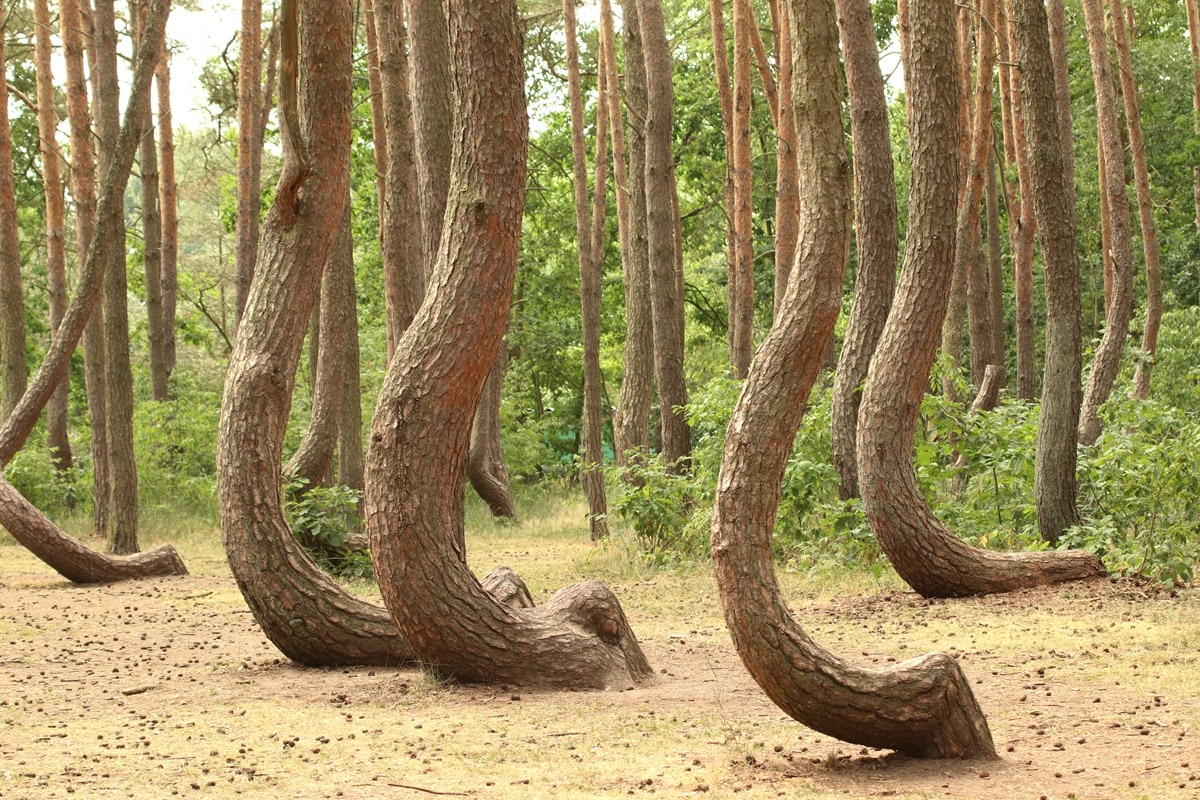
{"x":167,"y":687}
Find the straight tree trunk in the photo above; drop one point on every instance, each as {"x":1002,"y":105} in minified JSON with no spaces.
{"x":83,"y":189}
{"x":1107,"y":361}
{"x":787,"y":199}
{"x":13,"y":370}
{"x":667,"y":308}
{"x":741,"y":277}
{"x":378,"y":126}
{"x":311,"y":619}
{"x":1054,"y":204}
{"x":249,"y":153}
{"x":169,"y":209}
{"x":631,"y":422}
{"x":589,"y":286}
{"x":878,"y":236}
{"x":56,"y":270}
{"x":422,"y":425}
{"x":429,"y":68}
{"x":716,"y":13}
{"x":995,"y":268}
{"x":926,"y":555}
{"x":152,"y":250}
{"x":1193,"y":15}
{"x":924,"y":706}
{"x":1145,"y":202}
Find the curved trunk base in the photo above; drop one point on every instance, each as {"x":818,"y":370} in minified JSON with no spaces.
{"x":486,"y":468}
{"x":70,"y":557}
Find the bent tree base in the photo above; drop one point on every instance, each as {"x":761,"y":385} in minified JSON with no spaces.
{"x":70,"y":557}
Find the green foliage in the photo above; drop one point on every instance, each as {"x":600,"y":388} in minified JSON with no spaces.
{"x":34,"y":476}
{"x":322,"y":519}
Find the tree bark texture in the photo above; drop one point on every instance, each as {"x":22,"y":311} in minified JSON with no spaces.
{"x":995,"y":269}
{"x":1145,"y":203}
{"x":1193,"y":16}
{"x":168,"y":209}
{"x":308,"y":616}
{"x":787,"y":198}
{"x":666,"y":304}
{"x":403,"y":271}
{"x":419,"y":437}
{"x":1107,"y":361}
{"x":13,"y":371}
{"x":925,"y":554}
{"x":152,"y":249}
{"x":741,"y":276}
{"x":1054,"y":205}
{"x":83,"y":190}
{"x":923,"y":706}
{"x":351,"y":465}
{"x":249,"y":153}
{"x":433,"y":121}
{"x":590,"y":274}
{"x":378,"y":124}
{"x":720,"y":46}
{"x":56,"y":270}
{"x":876,"y":226}
{"x":631,"y":423}
{"x":486,"y":468}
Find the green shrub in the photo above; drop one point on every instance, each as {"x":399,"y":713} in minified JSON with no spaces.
{"x":322,"y":519}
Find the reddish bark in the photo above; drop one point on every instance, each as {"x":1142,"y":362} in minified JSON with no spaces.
{"x":741,"y":277}
{"x":13,"y":371}
{"x":249,"y":153}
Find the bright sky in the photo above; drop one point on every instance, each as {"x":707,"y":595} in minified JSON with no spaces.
{"x":195,"y":37}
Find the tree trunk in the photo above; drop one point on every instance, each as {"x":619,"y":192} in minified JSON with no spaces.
{"x":1107,"y":361}
{"x":13,"y":371}
{"x":875,"y":220}
{"x":56,"y":271}
{"x":635,"y":60}
{"x":1054,"y":204}
{"x":631,"y":422}
{"x":433,"y":121}
{"x":995,"y":269}
{"x":787,"y":200}
{"x":308,"y":616}
{"x":350,"y":428}
{"x":741,"y":277}
{"x":667,"y":309}
{"x":378,"y":126}
{"x":486,"y":468}
{"x":152,"y":248}
{"x":1141,"y":180}
{"x":83,"y":190}
{"x":923,"y":706}
{"x":421,"y":430}
{"x":590,"y":275}
{"x":169,"y":209}
{"x":1193,"y":15}
{"x":925,"y":554}
{"x":403,"y":272}
{"x":249,"y":153}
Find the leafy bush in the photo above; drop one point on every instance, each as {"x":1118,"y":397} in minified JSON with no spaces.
{"x":34,"y":476}
{"x":322,"y":519}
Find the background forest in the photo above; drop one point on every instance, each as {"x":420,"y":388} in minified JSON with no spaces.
{"x":1138,"y":483}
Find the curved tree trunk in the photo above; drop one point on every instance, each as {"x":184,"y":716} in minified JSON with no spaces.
{"x":308,"y":616}
{"x":1119,"y":309}
{"x":1054,"y":204}
{"x":923,"y":706}
{"x":875,"y":221}
{"x":922,"y":550}
{"x":13,"y":371}
{"x":631,"y":423}
{"x":486,"y":468}
{"x":420,"y":433}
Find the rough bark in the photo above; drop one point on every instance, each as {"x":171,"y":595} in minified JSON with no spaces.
{"x":787,"y":199}
{"x":1145,"y":203}
{"x":634,"y":60}
{"x":168,"y":208}
{"x":249,"y":153}
{"x":403,"y":270}
{"x":350,"y":429}
{"x":1193,"y":16}
{"x":1054,"y":205}
{"x":741,"y":276}
{"x":923,"y":706}
{"x":486,"y":468}
{"x":415,"y":477}
{"x":589,"y":284}
{"x":925,"y":554}
{"x":308,"y":616}
{"x":667,"y":308}
{"x":877,"y":233}
{"x":56,"y":270}
{"x":378,"y":125}
{"x":632,"y":418}
{"x":152,"y":249}
{"x":433,"y":121}
{"x":995,"y":268}
{"x":1056,"y":13}
{"x":13,"y":371}
{"x":1107,"y":361}
{"x":83,"y":190}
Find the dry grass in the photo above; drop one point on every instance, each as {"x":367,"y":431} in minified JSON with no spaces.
{"x":1092,"y":687}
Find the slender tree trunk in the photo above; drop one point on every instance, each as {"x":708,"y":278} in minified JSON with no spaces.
{"x":787,"y":199}
{"x":1054,"y":203}
{"x":1107,"y":361}
{"x":429,"y":68}
{"x":741,"y":277}
{"x":716,"y":13}
{"x":169,"y":208}
{"x":152,"y":247}
{"x":308,"y":616}
{"x":925,"y":554}
{"x":83,"y":189}
{"x":486,"y":468}
{"x":924,"y":706}
{"x":632,"y":418}
{"x":1193,"y":15}
{"x":995,"y":268}
{"x":1057,"y":17}
{"x":13,"y":370}
{"x":1141,"y":180}
{"x":415,"y":465}
{"x":589,"y":286}
{"x":667,"y":308}
{"x":249,"y":153}
{"x":56,"y":270}
{"x":878,"y":236}
{"x":378,"y":125}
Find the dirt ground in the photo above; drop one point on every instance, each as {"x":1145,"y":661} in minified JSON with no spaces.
{"x":167,"y":687}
